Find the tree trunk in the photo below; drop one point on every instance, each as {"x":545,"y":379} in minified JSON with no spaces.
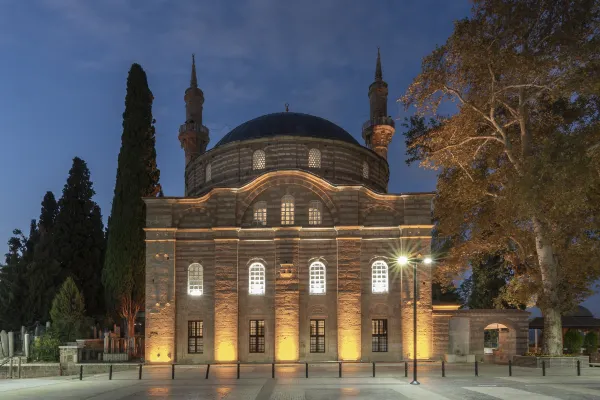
{"x":549,"y":301}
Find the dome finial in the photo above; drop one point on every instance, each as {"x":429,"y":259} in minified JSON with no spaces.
{"x":287,"y":107}
{"x":378,"y":73}
{"x":193,"y":79}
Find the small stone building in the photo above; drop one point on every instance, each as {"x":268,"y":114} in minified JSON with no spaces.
{"x":284,"y":247}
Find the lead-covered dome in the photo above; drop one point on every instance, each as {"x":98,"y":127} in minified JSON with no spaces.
{"x":287,"y":124}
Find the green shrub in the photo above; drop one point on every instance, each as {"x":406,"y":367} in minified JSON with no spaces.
{"x":590,"y":342}
{"x":573,"y":341}
{"x":45,"y":347}
{"x":68,"y":312}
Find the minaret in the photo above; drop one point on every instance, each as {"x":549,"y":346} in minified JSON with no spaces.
{"x":379,"y":129}
{"x":193,"y":135}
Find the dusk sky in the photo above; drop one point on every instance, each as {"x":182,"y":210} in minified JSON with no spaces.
{"x":64,"y":64}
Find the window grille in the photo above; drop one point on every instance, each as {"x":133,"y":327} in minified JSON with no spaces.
{"x":317,"y":278}
{"x":260,"y":212}
{"x":287,"y":210}
{"x":257,"y":278}
{"x":315,"y":213}
{"x":257,"y":336}
{"x":317,"y":336}
{"x":258,"y":160}
{"x":208,"y":173}
{"x":314,"y":158}
{"x":195,"y":279}
{"x":380,"y":277}
{"x":195,"y":337}
{"x":379,"y":336}
{"x":365,"y":170}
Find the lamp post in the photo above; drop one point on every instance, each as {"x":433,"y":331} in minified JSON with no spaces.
{"x":403,"y":260}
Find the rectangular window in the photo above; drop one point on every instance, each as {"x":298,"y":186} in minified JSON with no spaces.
{"x":317,"y":336}
{"x":195,"y":337}
{"x":379,"y":335}
{"x":257,"y":336}
{"x":314,"y":213}
{"x":260,"y":213}
{"x":287,"y":210}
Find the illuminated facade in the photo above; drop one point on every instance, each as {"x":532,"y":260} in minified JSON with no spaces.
{"x":285,"y":245}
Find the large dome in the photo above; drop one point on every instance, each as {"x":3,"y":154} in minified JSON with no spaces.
{"x":289,"y":124}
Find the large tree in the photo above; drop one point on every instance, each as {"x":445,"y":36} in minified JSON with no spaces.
{"x":78,"y":236}
{"x":137,"y":177}
{"x":68,"y":312}
{"x":484,"y":288}
{"x":520,"y":158}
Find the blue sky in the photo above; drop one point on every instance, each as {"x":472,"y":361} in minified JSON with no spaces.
{"x":64,"y":63}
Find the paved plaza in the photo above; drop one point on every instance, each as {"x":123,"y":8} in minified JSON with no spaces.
{"x":323,"y":383}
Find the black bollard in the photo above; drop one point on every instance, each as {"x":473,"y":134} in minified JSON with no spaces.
{"x":476,"y":368}
{"x":443,"y":369}
{"x":273,"y":370}
{"x":207,"y":371}
{"x":80,"y":372}
{"x":307,"y":370}
{"x":373,"y":369}
{"x":340,"y":374}
{"x":543,"y":368}
{"x":140,"y":373}
{"x":110,"y":372}
{"x":172,"y":371}
{"x":238,"y":370}
{"x":509,"y":367}
{"x":406,"y":369}
{"x":578,"y":368}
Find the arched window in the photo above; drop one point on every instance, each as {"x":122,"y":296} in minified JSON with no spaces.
{"x":260,"y":213}
{"x":258,"y":160}
{"x":379,"y":276}
{"x":315,"y":213}
{"x":314,"y":158}
{"x":287,"y":210}
{"x":365,"y":170}
{"x":195,"y":279}
{"x":257,"y":278}
{"x":317,"y":278}
{"x":208,"y":173}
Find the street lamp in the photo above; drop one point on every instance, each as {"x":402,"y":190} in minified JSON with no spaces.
{"x":403,"y":260}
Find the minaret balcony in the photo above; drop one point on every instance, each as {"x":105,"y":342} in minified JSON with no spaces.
{"x":379,"y":121}
{"x":194,"y":127}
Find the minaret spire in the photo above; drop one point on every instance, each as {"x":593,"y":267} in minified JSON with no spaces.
{"x":193,"y":79}
{"x":378,"y":73}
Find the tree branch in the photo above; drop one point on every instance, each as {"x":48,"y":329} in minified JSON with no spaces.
{"x":469,"y":140}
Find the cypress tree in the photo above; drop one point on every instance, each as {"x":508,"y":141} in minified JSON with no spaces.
{"x":137,"y":177}
{"x":13,"y":283}
{"x":68,"y":312}
{"x":78,"y":236}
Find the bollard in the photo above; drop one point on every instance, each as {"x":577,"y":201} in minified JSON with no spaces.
{"x":19,"y":368}
{"x":80,"y":372}
{"x":110,"y":372}
{"x":373,"y":369}
{"x":443,"y":369}
{"x":11,"y":368}
{"x":543,"y":368}
{"x":172,"y":371}
{"x":340,"y":374}
{"x":476,"y":368}
{"x":207,"y":370}
{"x":578,"y":367}
{"x":140,"y":374}
{"x":238,"y":370}
{"x":273,"y":370}
{"x":406,"y":369}
{"x":509,"y":367}
{"x":307,"y":370}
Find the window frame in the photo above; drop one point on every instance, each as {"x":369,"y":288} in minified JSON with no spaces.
{"x":315,"y":212}
{"x":195,"y":281}
{"x":314,"y":158}
{"x":317,"y":336}
{"x":260,"y":209}
{"x":259,"y":160}
{"x":257,"y":345}
{"x":379,"y":335}
{"x":257,"y":282}
{"x":380,"y":277}
{"x":317,"y":278}
{"x":196,"y":333}
{"x":288,"y":210}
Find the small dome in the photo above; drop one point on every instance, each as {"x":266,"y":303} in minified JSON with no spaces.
{"x":288,"y":124}
{"x":579,"y":311}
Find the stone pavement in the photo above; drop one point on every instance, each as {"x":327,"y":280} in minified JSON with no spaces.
{"x":323,"y":383}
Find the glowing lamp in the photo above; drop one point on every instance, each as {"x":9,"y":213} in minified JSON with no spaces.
{"x":427,"y":260}
{"x":402,"y":260}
